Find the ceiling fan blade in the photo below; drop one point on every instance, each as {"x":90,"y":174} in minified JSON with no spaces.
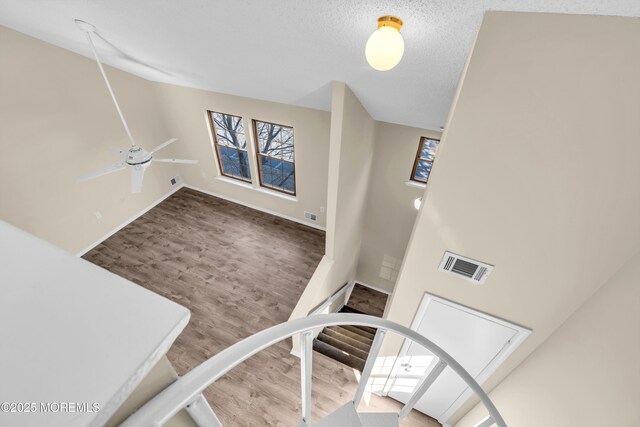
{"x":164,"y":144}
{"x":137,"y":174}
{"x":188,"y":162}
{"x":100,"y":172}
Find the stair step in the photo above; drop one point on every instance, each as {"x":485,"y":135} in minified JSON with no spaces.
{"x":345,"y":416}
{"x":347,"y":348}
{"x":361,"y":330}
{"x":337,"y":354}
{"x":347,"y":309}
{"x":347,"y":339}
{"x":379,"y":419}
{"x":355,"y":335}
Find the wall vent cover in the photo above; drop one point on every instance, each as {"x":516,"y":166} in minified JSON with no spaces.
{"x":311,"y":216}
{"x":464,"y":267}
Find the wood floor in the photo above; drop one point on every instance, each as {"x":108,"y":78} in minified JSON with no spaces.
{"x":367,"y":300}
{"x":239,"y":271}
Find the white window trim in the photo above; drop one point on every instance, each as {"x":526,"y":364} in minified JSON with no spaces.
{"x":415,"y":184}
{"x":251,"y":186}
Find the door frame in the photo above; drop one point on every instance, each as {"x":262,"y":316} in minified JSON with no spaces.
{"x":521,"y":334}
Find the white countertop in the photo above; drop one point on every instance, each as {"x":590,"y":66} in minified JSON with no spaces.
{"x":72,"y":332}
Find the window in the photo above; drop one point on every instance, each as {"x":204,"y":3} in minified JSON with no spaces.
{"x":424,"y":159}
{"x":231,"y":145}
{"x":274,"y":147}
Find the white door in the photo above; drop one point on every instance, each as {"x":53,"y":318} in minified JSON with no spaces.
{"x":477,"y":341}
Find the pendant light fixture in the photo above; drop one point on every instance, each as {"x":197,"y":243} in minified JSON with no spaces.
{"x":385,"y":46}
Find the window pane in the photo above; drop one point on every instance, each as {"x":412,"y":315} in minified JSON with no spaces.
{"x":232,"y":144}
{"x":424,"y":159}
{"x":276,"y":154}
{"x":229,"y":130}
{"x":429,"y":148}
{"x":423,"y":170}
{"x":234,"y":162}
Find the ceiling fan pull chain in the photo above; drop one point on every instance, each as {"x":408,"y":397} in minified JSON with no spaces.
{"x":113,"y":96}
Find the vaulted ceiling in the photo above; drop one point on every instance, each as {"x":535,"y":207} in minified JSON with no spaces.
{"x":288,"y":50}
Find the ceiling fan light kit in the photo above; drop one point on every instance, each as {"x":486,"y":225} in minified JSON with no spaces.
{"x":136,"y":157}
{"x":385,"y":46}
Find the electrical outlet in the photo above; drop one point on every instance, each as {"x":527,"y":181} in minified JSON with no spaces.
{"x":98,"y":215}
{"x":321,"y":209}
{"x":176,"y":179}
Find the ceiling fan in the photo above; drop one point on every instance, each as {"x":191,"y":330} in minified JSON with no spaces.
{"x":136,"y":157}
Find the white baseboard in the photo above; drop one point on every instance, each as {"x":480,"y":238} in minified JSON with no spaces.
{"x":375,"y":288}
{"x":129,"y":221}
{"x":258,"y":208}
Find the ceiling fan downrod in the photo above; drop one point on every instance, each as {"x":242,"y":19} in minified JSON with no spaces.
{"x":88,"y":29}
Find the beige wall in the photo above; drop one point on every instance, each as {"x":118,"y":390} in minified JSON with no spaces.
{"x":352,"y":141}
{"x":58,"y":122}
{"x":536,"y":173}
{"x":185,"y":115}
{"x":587,"y":372}
{"x":350,"y":155}
{"x":390,"y":213}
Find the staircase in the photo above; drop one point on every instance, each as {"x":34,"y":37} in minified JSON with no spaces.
{"x":347,"y":344}
{"x":186,"y":392}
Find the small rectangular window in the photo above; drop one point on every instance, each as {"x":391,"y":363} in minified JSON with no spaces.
{"x":274,"y":148}
{"x":424,"y":159}
{"x":231,"y":145}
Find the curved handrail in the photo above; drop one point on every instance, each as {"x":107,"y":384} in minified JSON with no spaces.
{"x":178,"y":395}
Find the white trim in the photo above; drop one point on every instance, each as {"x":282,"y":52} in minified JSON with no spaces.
{"x":129,"y":221}
{"x":251,"y":186}
{"x":239,"y":183}
{"x":258,"y":208}
{"x":375,"y":288}
{"x":415,"y":184}
{"x":486,"y":422}
{"x":521,"y":333}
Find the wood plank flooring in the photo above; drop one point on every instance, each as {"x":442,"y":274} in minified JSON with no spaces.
{"x":239,"y":271}
{"x":367,"y":300}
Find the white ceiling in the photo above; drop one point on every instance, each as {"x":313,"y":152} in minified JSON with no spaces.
{"x":289,"y":50}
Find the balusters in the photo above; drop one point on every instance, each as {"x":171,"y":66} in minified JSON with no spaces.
{"x":435,"y":372}
{"x":202,"y":414}
{"x":369,"y":365}
{"x":306,"y":374}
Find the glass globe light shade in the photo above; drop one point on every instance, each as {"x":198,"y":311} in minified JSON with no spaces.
{"x":385,"y":48}
{"x":417,"y":203}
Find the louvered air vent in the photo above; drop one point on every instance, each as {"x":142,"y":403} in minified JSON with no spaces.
{"x":467,"y":268}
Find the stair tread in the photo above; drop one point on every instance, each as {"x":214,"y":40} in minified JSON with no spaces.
{"x":364,"y":346}
{"x":336,"y":354}
{"x":360,"y":330}
{"x":355,"y":335}
{"x":379,"y":419}
{"x":348,"y":348}
{"x":345,"y":416}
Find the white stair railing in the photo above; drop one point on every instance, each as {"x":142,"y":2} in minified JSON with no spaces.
{"x":186,"y":392}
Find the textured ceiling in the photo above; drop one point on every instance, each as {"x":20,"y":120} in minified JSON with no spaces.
{"x":288,"y":50}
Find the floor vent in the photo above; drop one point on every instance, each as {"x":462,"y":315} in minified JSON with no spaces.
{"x":310,"y":216}
{"x":467,"y":268}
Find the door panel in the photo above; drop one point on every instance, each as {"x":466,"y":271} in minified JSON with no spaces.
{"x":473,"y":340}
